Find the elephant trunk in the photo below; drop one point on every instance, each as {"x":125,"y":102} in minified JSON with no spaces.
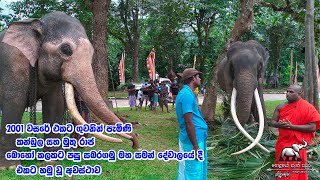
{"x":305,"y":143}
{"x":78,"y":71}
{"x":77,"y":117}
{"x":91,"y":96}
{"x":244,"y":101}
{"x":245,"y":90}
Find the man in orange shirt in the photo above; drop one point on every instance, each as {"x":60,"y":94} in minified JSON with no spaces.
{"x":297,"y":121}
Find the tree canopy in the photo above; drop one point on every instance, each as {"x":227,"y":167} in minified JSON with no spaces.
{"x":180,"y":29}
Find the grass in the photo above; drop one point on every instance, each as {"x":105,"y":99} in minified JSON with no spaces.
{"x":280,"y":89}
{"x":156,"y":131}
{"x":271,"y":105}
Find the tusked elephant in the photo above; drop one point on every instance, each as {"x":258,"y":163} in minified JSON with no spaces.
{"x":292,"y":152}
{"x":58,"y":47}
{"x":241,"y":74}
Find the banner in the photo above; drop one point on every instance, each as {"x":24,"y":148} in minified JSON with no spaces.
{"x":151,"y":65}
{"x":121,"y":69}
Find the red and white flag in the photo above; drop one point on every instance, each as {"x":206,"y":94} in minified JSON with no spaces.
{"x":151,"y":64}
{"x":121,"y":70}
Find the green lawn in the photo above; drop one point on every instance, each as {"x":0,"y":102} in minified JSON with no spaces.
{"x":118,"y":94}
{"x":156,"y":131}
{"x":271,"y":105}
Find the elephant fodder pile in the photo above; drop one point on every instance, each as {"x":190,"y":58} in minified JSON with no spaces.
{"x":253,"y":164}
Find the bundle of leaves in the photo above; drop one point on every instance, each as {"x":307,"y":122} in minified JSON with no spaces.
{"x":314,"y":158}
{"x":253,"y":164}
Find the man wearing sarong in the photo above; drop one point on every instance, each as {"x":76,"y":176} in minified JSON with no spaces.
{"x":193,"y":128}
{"x":297,"y":121}
{"x":132,"y":95}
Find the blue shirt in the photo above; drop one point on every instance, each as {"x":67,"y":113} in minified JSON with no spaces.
{"x":186,"y":102}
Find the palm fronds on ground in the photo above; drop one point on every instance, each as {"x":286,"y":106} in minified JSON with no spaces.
{"x":314,"y":158}
{"x":253,"y":164}
{"x":250,"y":165}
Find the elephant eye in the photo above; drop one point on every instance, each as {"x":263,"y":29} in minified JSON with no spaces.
{"x":66,"y":49}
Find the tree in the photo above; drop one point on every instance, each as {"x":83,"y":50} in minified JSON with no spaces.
{"x":310,"y":81}
{"x":277,"y":34}
{"x":203,"y":15}
{"x":299,"y":10}
{"x":242,"y":25}
{"x":100,"y":62}
{"x":125,"y":26}
{"x":166,"y":35}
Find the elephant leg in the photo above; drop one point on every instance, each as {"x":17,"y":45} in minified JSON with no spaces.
{"x":281,"y":158}
{"x":254,"y":116}
{"x":226,"y":106}
{"x":254,"y":109}
{"x":287,"y":158}
{"x":52,"y":111}
{"x":13,"y":107}
{"x":260,"y":90}
{"x":298,"y":157}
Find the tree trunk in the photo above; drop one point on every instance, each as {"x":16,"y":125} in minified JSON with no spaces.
{"x":242,"y":25}
{"x":129,"y":13}
{"x":100,"y":61}
{"x":136,"y":38}
{"x":310,"y":82}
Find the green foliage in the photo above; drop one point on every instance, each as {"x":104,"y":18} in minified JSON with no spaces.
{"x":175,"y":39}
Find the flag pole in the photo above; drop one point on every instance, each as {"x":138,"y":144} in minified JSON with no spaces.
{"x":124,"y":57}
{"x":154,"y":65}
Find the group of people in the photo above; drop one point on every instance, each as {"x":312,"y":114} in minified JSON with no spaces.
{"x":157,"y":94}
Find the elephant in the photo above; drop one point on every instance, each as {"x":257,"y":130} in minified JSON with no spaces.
{"x":57,"y":47}
{"x":273,"y":81}
{"x":241,"y":72}
{"x":292,"y":152}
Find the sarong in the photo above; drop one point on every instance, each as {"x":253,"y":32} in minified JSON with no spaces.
{"x":193,"y":169}
{"x":132,"y":101}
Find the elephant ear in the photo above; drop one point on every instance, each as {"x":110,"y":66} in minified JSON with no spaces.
{"x":25,"y":35}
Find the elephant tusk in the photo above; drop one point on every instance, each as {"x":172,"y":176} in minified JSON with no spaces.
{"x":124,"y":135}
{"x":77,"y":117}
{"x":239,"y":126}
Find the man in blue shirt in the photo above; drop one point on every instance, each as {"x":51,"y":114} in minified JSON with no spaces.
{"x":193,"y":128}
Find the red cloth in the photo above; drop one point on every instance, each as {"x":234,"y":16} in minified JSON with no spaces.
{"x":298,"y":113}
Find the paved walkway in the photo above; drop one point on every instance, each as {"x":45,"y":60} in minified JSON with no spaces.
{"x":124,"y":102}
{"x":267,"y":97}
